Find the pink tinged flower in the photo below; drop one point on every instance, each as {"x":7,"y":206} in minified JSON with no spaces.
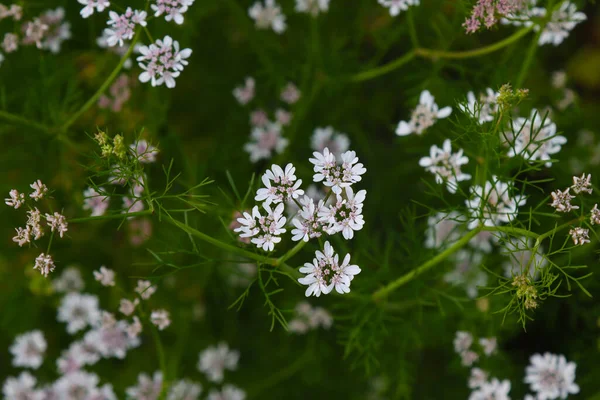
{"x":307,"y":223}
{"x":132,"y":205}
{"x":280,"y":185}
{"x":127,"y":307}
{"x":28,"y":350}
{"x":145,"y":289}
{"x":57,"y":32}
{"x":582,"y":184}
{"x":105,"y":276}
{"x":283,"y":117}
{"x":561,"y":201}
{"x":216,"y":359}
{"x":334,"y":175}
{"x":21,"y":387}
{"x":147,"y":388}
{"x":91,"y":5}
{"x":23,"y":236}
{"x":10,"y":42}
{"x":326,"y":273}
{"x":580,"y":236}
{"x":14,"y":11}
{"x":462,"y":341}
{"x":312,"y":7}
{"x":268,"y":16}
{"x":95,"y":202}
{"x":259,"y":118}
{"x":264,"y":231}
{"x":264,"y":141}
{"x":489,"y":345}
{"x":345,"y":215}
{"x":144,"y":151}
{"x":33,"y":221}
{"x":162,"y":62}
{"x":478,"y":378}
{"x":228,"y":392}
{"x":550,"y":376}
{"x":160,"y":318}
{"x":290,"y":93}
{"x":445,"y":165}
{"x":397,"y":6}
{"x":79,"y":311}
{"x":492,"y":390}
{"x":245,"y":94}
{"x":173,"y":9}
{"x":135,"y":328}
{"x":423,"y":116}
{"x":34,"y":32}
{"x":561,"y":23}
{"x":327,"y":137}
{"x":595,"y":215}
{"x":57,"y":223}
{"x":140,"y":230}
{"x":468,"y":358}
{"x":122,"y":27}
{"x":15,"y":200}
{"x":184,"y":390}
{"x":44,"y":264}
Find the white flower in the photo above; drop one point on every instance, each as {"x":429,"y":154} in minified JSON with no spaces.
{"x":489,"y":345}
{"x":561,"y":201}
{"x":145,"y":289}
{"x":519,"y":250}
{"x":285,"y":185}
{"x":57,"y":222}
{"x":90,"y":5}
{"x":28,"y":350}
{"x":23,"y":236}
{"x":147,"y":388}
{"x":283,"y":117}
{"x":336,"y":142}
{"x":127,"y":307}
{"x":268,"y":16}
{"x":534,"y":138}
{"x":334,"y":175}
{"x":595,"y":215}
{"x":483,"y":108}
{"x":551,"y":376}
{"x":21,"y":388}
{"x":423,"y":116}
{"x":478,"y":378}
{"x":174,"y":9}
{"x":135,"y":328}
{"x":78,"y":311}
{"x":216,"y":359}
{"x":493,"y":204}
{"x":122,"y":27}
{"x":561,"y":23}
{"x":245,"y":94}
{"x":466,"y":272}
{"x":308,"y":317}
{"x":582,"y":184}
{"x":33,"y":221}
{"x":228,"y":392}
{"x":467,"y":358}
{"x":144,"y":151}
{"x":259,"y":118}
{"x":442,"y":230}
{"x":184,"y":390}
{"x":162,"y":62}
{"x":105,"y":276}
{"x":264,"y":140}
{"x":14,"y":11}
{"x":160,"y":318}
{"x":580,"y":236}
{"x":44,"y":264}
{"x":69,"y":281}
{"x":326,"y":272}
{"x":34,"y":32}
{"x":493,"y":390}
{"x":313,"y":7}
{"x":396,"y":6}
{"x":112,"y":339}
{"x":16,"y":199}
{"x":307,"y":223}
{"x":57,"y":31}
{"x":445,"y":165}
{"x":345,"y":215}
{"x":10,"y":42}
{"x":290,"y":93}
{"x":39,"y":190}
{"x":79,"y":385}
{"x":462,"y":341}
{"x":95,"y":202}
{"x":264,"y":230}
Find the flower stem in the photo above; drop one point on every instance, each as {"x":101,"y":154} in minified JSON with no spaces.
{"x":18,"y":120}
{"x":511,"y":231}
{"x":290,"y":253}
{"x":111,"y":216}
{"x":384,"y":69}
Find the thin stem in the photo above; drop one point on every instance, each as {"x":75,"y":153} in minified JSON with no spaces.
{"x":384,"y":69}
{"x":510,"y":230}
{"x":528,"y":60}
{"x":384,"y":291}
{"x":111,"y":216}
{"x":104,"y":86}
{"x":291,"y":253}
{"x":18,"y":120}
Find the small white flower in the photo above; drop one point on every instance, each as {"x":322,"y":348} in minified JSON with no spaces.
{"x":483,"y":108}
{"x":290,"y":94}
{"x":174,"y":9}
{"x":135,"y":328}
{"x":561,"y":201}
{"x":57,"y":222}
{"x":445,"y":165}
{"x":334,"y":175}
{"x":122,"y":27}
{"x":268,"y":16}
{"x":551,"y":376}
{"x":245,"y":94}
{"x":580,"y":236}
{"x":283,"y":117}
{"x":228,"y":392}
{"x":78,"y":311}
{"x":162,"y":62}
{"x":466,"y":272}
{"x":259,"y":118}
{"x":325,"y":273}
{"x":284,"y":188}
{"x":443,"y":229}
{"x":519,"y":251}
{"x":423,"y":116}
{"x":127,"y":307}
{"x":264,"y":141}
{"x":21,"y":388}
{"x":105,"y":276}
{"x":23,"y":236}
{"x":327,"y":137}
{"x":308,"y":317}
{"x":34,"y":32}
{"x":307,"y":223}
{"x":44,"y":264}
{"x":468,"y":357}
{"x":312,"y":7}
{"x":57,"y":32}
{"x":184,"y":390}
{"x":160,"y":318}
{"x":264,"y":230}
{"x":216,"y":359}
{"x":534,"y":138}
{"x":493,"y":390}
{"x":90,"y":5}
{"x":145,"y":289}
{"x":69,"y":281}
{"x":396,"y":6}
{"x":33,"y":221}
{"x":28,"y":350}
{"x":561,"y":23}
{"x":77,"y":384}
{"x":39,"y":190}
{"x":595,"y":215}
{"x":478,"y":378}
{"x":111,"y":339}
{"x":345,"y":215}
{"x":16,"y":199}
{"x":489,"y":345}
{"x":493,"y":204}
{"x":147,"y":388}
{"x":144,"y":151}
{"x":582,"y":184}
{"x":95,"y":202}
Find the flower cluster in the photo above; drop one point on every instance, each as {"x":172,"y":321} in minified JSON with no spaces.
{"x":561,"y":202}
{"x":312,"y":7}
{"x":309,"y":318}
{"x":327,"y":137}
{"x":397,"y":6}
{"x":483,"y":108}
{"x":119,"y":94}
{"x":213,"y":362}
{"x":423,"y":116}
{"x":493,"y":203}
{"x":445,"y":165}
{"x":267,"y":15}
{"x":550,"y":376}
{"x":162,"y":62}
{"x":488,"y":12}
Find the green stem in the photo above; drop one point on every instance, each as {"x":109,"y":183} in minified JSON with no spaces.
{"x":510,"y":231}
{"x":384,"y":69}
{"x":384,"y":291}
{"x":528,"y":60}
{"x":290,"y":253}
{"x":18,"y":120}
{"x":105,"y":85}
{"x":111,"y":216}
